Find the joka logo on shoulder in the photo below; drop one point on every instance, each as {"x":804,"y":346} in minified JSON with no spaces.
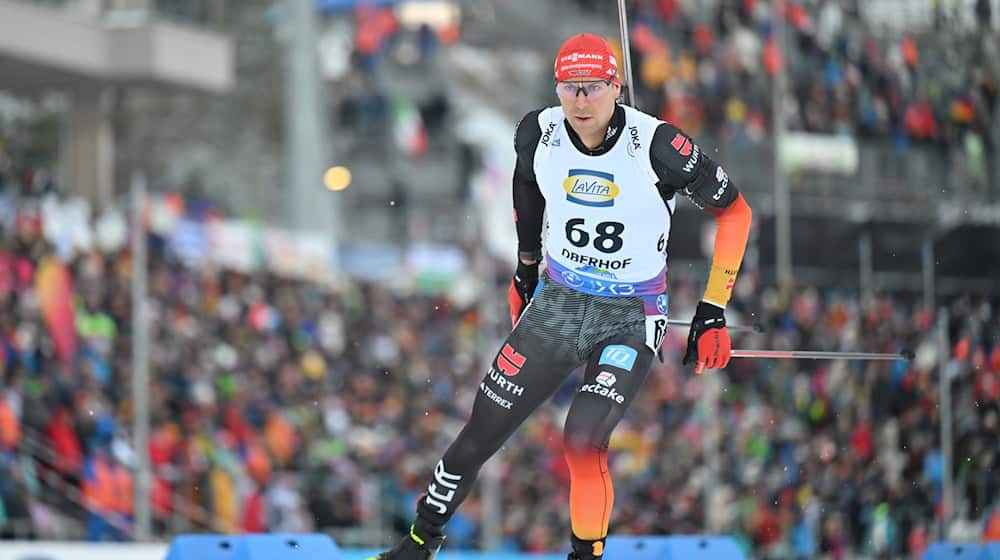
{"x":590,"y":188}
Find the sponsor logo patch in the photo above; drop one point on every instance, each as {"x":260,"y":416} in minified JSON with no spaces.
{"x":594,"y":271}
{"x":574,"y":57}
{"x":606,"y":378}
{"x":692,"y":161}
{"x":619,"y":356}
{"x":662,"y":303}
{"x":590,"y":188}
{"x":607,"y":392}
{"x":442,"y":490}
{"x":682,"y":144}
{"x":547,"y":135}
{"x":723,"y":179}
{"x":510,"y":361}
{"x":634,"y":145}
{"x":505,"y":384}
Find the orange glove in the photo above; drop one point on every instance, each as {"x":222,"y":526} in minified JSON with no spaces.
{"x":708,"y":344}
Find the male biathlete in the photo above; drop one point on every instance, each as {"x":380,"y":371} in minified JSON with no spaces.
{"x":608,"y":176}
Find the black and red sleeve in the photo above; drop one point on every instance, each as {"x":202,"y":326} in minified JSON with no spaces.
{"x":682,"y":166}
{"x":529,"y":204}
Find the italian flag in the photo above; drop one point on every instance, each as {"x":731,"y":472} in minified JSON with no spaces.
{"x":408,"y":128}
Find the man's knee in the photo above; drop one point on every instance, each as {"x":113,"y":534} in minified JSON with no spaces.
{"x":466,"y":454}
{"x":590,"y":422}
{"x":581,"y":437}
{"x":583,"y":454}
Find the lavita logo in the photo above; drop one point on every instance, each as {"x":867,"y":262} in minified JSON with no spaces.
{"x":590,"y":188}
{"x":595,"y":188}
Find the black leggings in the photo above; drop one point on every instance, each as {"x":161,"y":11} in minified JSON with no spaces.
{"x":558,"y":331}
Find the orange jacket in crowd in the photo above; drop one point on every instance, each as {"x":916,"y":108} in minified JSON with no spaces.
{"x":107,"y":487}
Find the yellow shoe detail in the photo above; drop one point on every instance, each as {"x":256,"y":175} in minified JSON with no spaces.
{"x":414,"y":536}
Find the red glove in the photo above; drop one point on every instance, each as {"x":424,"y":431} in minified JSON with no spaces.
{"x":522,"y":289}
{"x":708,"y":345}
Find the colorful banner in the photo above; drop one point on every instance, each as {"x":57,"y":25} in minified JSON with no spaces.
{"x":308,"y":256}
{"x":54,"y":288}
{"x":189,"y":241}
{"x":198,"y":238}
{"x":235,"y":245}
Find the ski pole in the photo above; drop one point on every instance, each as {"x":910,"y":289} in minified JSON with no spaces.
{"x":815,"y":355}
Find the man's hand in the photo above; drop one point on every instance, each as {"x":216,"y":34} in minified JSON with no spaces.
{"x":708,"y":344}
{"x":522,"y":288}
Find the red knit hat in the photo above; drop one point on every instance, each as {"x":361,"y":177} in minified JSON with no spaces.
{"x":586,"y":56}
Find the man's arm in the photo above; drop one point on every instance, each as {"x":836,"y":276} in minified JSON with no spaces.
{"x":529,"y":205}
{"x":683,"y":167}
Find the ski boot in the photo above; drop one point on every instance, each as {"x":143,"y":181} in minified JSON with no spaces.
{"x":418,"y":545}
{"x":586,"y":550}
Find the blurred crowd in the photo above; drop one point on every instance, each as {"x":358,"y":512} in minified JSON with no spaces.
{"x":393,"y":86}
{"x":286,"y":406}
{"x":823,"y":457}
{"x":844,"y":75}
{"x":710,"y":66}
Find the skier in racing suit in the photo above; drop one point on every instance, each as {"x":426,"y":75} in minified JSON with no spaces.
{"x":608,"y":176}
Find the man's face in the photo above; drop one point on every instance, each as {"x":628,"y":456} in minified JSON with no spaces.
{"x":588,"y":103}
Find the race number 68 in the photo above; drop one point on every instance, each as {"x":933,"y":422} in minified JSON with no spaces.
{"x":607,"y":240}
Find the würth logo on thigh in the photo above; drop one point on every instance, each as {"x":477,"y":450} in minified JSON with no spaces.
{"x":510,"y":361}
{"x":445,"y":479}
